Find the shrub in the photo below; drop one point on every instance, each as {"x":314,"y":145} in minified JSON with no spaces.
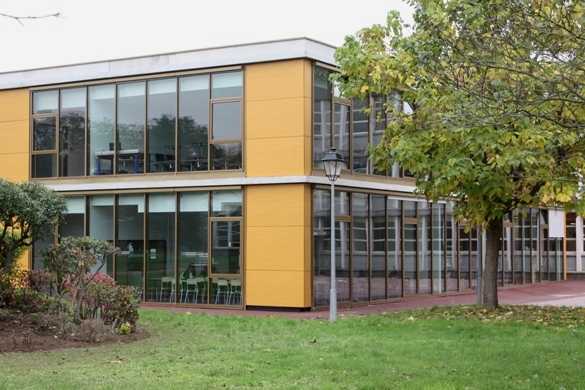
{"x":94,"y":330}
{"x":122,"y":307}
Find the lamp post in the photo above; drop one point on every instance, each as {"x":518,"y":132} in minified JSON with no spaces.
{"x":332,"y":162}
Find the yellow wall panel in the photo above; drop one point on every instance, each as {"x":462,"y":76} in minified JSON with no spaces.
{"x":277,"y":288}
{"x":276,"y":80}
{"x":275,"y":248}
{"x":278,"y":118}
{"x":275,"y":118}
{"x":276,"y":205}
{"x":14,"y":135}
{"x":278,"y":245}
{"x":14,"y":105}
{"x":275,"y":157}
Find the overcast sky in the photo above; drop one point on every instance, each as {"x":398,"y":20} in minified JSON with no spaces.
{"x":110,"y":29}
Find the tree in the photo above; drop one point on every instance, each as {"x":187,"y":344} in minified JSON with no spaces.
{"x":74,"y":263}
{"x":28,"y":212}
{"x":497,"y":90}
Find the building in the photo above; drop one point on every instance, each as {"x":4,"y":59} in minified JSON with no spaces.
{"x":204,"y":168}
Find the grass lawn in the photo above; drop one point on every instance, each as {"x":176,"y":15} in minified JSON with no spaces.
{"x":440,"y":348}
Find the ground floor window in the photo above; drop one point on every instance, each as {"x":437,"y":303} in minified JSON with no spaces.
{"x":388,"y":248}
{"x":175,"y":247}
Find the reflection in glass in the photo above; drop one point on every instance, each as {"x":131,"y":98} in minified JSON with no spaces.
{"x":226,"y":156}
{"x":361,"y":125}
{"x":72,"y":132}
{"x":361,"y":267}
{"x":44,"y":165}
{"x":341,"y":135}
{"x":101,"y":222}
{"x":100,"y":117}
{"x":452,"y":263}
{"x":226,"y":119}
{"x":131,"y":113}
{"x":425,"y":237}
{"x":160,"y":255}
{"x":130,"y":240}
{"x":226,"y":247}
{"x":394,"y":260}
{"x":75,"y":219}
{"x":192,"y":241}
{"x":193,"y":122}
{"x":226,"y":203}
{"x":378,"y":247}
{"x":161,"y":111}
{"x":438,"y":265}
{"x":322,"y":96}
{"x":45,"y":133}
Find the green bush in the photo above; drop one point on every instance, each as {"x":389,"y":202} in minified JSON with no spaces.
{"x":121,"y":307}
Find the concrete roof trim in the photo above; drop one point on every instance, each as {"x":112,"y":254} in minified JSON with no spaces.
{"x":172,"y":62}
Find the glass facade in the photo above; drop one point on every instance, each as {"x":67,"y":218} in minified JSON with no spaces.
{"x":178,"y":124}
{"x":182,"y":247}
{"x":401,"y":248}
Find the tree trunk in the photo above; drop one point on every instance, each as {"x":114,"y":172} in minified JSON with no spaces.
{"x":490,"y":278}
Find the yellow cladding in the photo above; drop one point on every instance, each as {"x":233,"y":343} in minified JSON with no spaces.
{"x":278,"y":118}
{"x":14,"y":133}
{"x":278,"y":288}
{"x":278,"y":237}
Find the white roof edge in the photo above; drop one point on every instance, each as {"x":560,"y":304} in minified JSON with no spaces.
{"x":407,"y":189}
{"x":172,"y":62}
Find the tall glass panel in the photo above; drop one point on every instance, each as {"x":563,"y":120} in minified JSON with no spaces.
{"x":321,"y":247}
{"x":361,"y":266}
{"x":341,"y":133}
{"x":322,"y":103}
{"x":101,"y":118}
{"x":130,"y":258}
{"x":452,"y":266}
{"x":160,"y":257}
{"x":438,"y":249}
{"x":342,"y":260}
{"x":475,"y":258}
{"x":410,"y":248}
{"x":518,"y":247}
{"x":131,"y":118}
{"x":75,"y":219}
{"x":425,"y":242}
{"x":378,"y":247}
{"x":226,"y":247}
{"x":161,"y":123}
{"x":45,"y":141}
{"x":101,"y":224}
{"x":361,"y":125}
{"x":192,"y":243}
{"x":464,"y":258}
{"x":72,"y":133}
{"x":193,"y":123}
{"x":508,"y":247}
{"x":394,"y":259}
{"x":571,"y":241}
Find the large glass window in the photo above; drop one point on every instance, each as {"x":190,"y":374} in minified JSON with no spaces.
{"x":72,"y":132}
{"x":130,"y":258}
{"x":161,"y":124}
{"x":101,"y":122}
{"x":160,"y":254}
{"x":132,"y":127}
{"x":361,"y":255}
{"x":101,"y":222}
{"x":194,"y":123}
{"x":131,"y":113}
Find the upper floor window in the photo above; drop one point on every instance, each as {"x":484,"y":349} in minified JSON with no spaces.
{"x":342,"y":124}
{"x":190,"y":123}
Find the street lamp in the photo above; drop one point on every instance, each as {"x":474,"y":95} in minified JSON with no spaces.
{"x":332,"y":162}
